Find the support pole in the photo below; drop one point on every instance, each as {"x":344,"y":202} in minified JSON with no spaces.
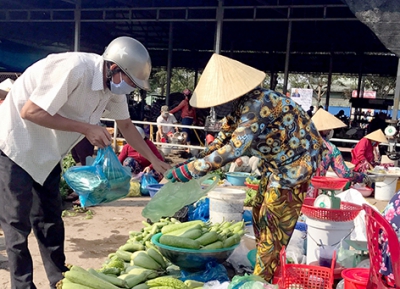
{"x":328,"y":89}
{"x":218,"y":33}
{"x":77,"y":35}
{"x":396,"y":93}
{"x":287,"y":57}
{"x":169,"y":65}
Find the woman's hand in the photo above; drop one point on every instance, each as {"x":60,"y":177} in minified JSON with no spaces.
{"x":147,"y":169}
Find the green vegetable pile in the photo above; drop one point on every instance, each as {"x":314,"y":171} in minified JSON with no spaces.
{"x":252,"y":181}
{"x":249,"y":201}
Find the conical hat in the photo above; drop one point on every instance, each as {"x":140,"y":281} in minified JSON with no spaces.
{"x":323,"y":120}
{"x":5,"y":85}
{"x":223,"y":80}
{"x":377,"y":136}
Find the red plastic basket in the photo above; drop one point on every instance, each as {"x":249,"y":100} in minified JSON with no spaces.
{"x":347,"y":212}
{"x":328,"y":183}
{"x":298,"y":276}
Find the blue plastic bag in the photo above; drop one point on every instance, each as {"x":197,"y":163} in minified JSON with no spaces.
{"x":200,"y":210}
{"x":213,"y":271}
{"x":104,"y":181}
{"x":147,"y":179}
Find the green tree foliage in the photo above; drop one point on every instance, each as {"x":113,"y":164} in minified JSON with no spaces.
{"x":180,"y":79}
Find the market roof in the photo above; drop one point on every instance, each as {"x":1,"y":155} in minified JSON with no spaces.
{"x":254,"y":32}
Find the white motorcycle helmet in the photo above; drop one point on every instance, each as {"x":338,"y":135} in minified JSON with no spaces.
{"x":141,"y":131}
{"x":132,"y":58}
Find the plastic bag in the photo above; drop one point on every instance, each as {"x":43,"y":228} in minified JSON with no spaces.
{"x":104,"y":181}
{"x":134,"y":189}
{"x":213,"y":272}
{"x":174,"y":196}
{"x":249,"y":282}
{"x":147,"y":179}
{"x":345,"y":257}
{"x":200,"y":210}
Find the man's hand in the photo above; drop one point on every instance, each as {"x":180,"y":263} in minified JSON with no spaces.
{"x":98,"y":136}
{"x":160,"y":166}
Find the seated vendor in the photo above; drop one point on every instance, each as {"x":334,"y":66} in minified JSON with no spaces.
{"x":364,"y":154}
{"x":131,"y":158}
{"x":325,"y":124}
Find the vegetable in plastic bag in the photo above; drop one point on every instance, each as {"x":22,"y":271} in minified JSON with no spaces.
{"x":250,"y":282}
{"x":104,"y":181}
{"x":174,"y":196}
{"x":147,"y":179}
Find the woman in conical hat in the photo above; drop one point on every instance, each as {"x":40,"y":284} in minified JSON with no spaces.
{"x":268,"y":125}
{"x":363,"y":155}
{"x":325,"y":124}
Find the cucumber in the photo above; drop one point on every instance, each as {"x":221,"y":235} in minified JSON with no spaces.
{"x":173,"y":227}
{"x":208,"y":238}
{"x":192,"y":233}
{"x":79,"y":275}
{"x":232,"y":240}
{"x":179,"y":242}
{"x":132,"y":247}
{"x":113,"y":280}
{"x":124,"y":255}
{"x":213,"y":246}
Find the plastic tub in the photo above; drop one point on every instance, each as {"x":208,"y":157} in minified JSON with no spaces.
{"x":237,"y":178}
{"x":365,"y":191}
{"x":154,"y":188}
{"x":355,"y":278}
{"x":189,"y":259}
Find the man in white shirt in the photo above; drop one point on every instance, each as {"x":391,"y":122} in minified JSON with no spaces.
{"x":166,"y":118}
{"x":54,"y":104}
{"x":246,"y":165}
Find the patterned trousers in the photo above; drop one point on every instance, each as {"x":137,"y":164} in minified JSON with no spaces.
{"x":274,"y":219}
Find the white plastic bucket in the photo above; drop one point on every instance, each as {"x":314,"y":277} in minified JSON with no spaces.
{"x":329,"y":233}
{"x":226,"y":204}
{"x":385,"y":190}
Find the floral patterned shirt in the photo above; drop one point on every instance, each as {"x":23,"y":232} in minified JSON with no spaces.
{"x":334,"y":159}
{"x":272,"y":127}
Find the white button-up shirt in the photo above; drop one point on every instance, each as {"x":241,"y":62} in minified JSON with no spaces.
{"x":68,"y":84}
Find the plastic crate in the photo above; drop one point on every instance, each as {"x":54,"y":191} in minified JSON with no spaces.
{"x":298,"y":276}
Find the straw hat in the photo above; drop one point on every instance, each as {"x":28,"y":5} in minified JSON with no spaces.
{"x":6,"y":85}
{"x":323,"y":120}
{"x":377,"y":136}
{"x":223,"y":80}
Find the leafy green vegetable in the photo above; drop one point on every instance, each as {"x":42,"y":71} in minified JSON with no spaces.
{"x":252,"y":181}
{"x":249,"y":201}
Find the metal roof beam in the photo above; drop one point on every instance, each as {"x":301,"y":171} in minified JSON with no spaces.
{"x":280,"y":13}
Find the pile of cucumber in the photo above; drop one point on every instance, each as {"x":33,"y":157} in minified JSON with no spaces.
{"x":198,"y":235}
{"x":139,"y":265}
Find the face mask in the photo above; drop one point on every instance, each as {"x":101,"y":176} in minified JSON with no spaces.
{"x":122,"y":87}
